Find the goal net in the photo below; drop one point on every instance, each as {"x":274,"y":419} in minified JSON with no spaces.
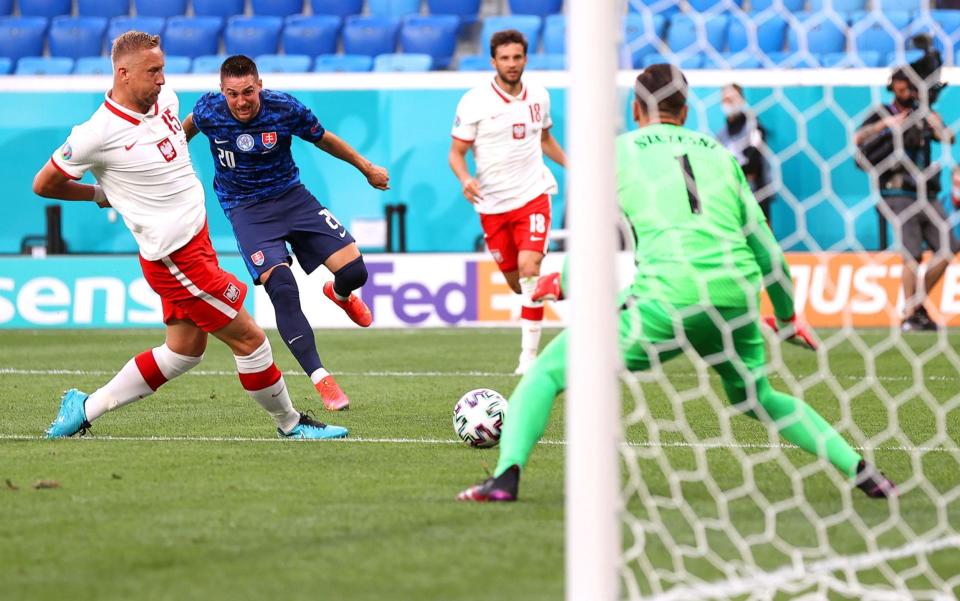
{"x":713,"y":504}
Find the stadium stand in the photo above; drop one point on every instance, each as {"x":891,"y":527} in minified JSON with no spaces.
{"x":771,"y":32}
{"x":878,"y":33}
{"x":640,"y":33}
{"x":434,"y":35}
{"x":340,"y":8}
{"x":393,"y":8}
{"x":402,"y":62}
{"x":789,"y":5}
{"x":103,"y":8}
{"x":177,"y":64}
{"x":193,"y":37}
{"x":467,"y":10}
{"x":6,"y":66}
{"x":555,"y":34}
{"x":686,"y":32}
{"x":541,"y":8}
{"x":370,"y":35}
{"x":207,"y":63}
{"x":475,"y":62}
{"x":733,"y":60}
{"x":6,"y":7}
{"x":311,"y":35}
{"x":328,"y":63}
{"x":529,"y":25}
{"x":22,"y":36}
{"x":841,"y":6}
{"x":93,"y":65}
{"x":818,"y":33}
{"x":119,"y":25}
{"x":547,"y":62}
{"x":283,"y":63}
{"x":277,"y":8}
{"x":167,"y":8}
{"x":252,"y":36}
{"x":45,"y":8}
{"x":218,"y":8}
{"x":76,"y":36}
{"x":44,"y":65}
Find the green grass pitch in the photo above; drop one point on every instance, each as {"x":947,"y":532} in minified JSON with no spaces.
{"x":192,"y":514}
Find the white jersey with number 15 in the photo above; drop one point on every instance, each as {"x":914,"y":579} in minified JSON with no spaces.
{"x":505,"y":131}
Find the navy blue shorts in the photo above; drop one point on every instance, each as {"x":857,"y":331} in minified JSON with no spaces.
{"x":264,"y":229}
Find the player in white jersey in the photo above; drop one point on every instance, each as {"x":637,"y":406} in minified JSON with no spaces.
{"x":507,"y":123}
{"x":135,"y":147}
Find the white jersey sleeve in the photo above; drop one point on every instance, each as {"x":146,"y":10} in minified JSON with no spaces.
{"x":80,"y":153}
{"x":466,"y":120}
{"x":547,"y":119}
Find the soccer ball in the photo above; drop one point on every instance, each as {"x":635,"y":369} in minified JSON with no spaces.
{"x":478,"y":417}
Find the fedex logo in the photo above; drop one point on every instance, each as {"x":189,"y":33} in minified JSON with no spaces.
{"x":415,"y":302}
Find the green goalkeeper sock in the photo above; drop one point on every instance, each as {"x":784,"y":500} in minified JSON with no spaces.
{"x":530,"y":405}
{"x":810,"y":432}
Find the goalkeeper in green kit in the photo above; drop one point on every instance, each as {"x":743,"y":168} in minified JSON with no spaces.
{"x":703,"y":251}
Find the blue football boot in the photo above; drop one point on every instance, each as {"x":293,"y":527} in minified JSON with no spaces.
{"x":71,"y":418}
{"x":309,"y":428}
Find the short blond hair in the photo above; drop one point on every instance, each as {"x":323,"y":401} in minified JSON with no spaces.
{"x":132,"y":41}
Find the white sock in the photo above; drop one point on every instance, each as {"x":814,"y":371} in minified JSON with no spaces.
{"x":139,"y":378}
{"x":531,"y":317}
{"x":264,"y":383}
{"x":318,"y":375}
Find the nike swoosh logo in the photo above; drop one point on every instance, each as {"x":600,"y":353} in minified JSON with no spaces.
{"x":343,"y":233}
{"x":279,"y":393}
{"x":292,"y":340}
{"x":125,"y":147}
{"x":216,"y":141}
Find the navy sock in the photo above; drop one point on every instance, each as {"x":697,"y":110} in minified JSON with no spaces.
{"x":351,"y":276}
{"x":291,"y":322}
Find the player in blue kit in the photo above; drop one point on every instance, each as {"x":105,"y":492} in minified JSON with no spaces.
{"x":258,"y":185}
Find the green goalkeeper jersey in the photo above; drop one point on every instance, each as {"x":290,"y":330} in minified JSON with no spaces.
{"x":700,"y":235}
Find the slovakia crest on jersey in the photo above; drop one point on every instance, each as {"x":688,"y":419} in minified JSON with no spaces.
{"x":257,"y":258}
{"x":167,"y":149}
{"x":268,"y":139}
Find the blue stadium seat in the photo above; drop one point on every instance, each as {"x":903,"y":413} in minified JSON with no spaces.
{"x":340,"y":8}
{"x":349,"y":63}
{"x":555,"y":34}
{"x":276,"y":8}
{"x":546,"y":62}
{"x":311,"y":35}
{"x":541,"y":8}
{"x":284,"y":63}
{"x":879,"y":33}
{"x":771,"y":32}
{"x":76,"y":36}
{"x":45,"y":8}
{"x":370,"y":35}
{"x":393,"y":8}
{"x":823,"y":35}
{"x":192,"y":36}
{"x":434,"y":35}
{"x":793,"y":60}
{"x":733,"y":60}
{"x":167,"y":8}
{"x":6,"y":8}
{"x":840,"y":6}
{"x":642,"y":7}
{"x":949,"y":20}
{"x":207,"y":63}
{"x":6,"y":65}
{"x":39,"y":65}
{"x":528,"y":25}
{"x":93,"y":65}
{"x":119,"y":25}
{"x":907,"y":5}
{"x":694,"y":61}
{"x":465,"y":9}
{"x":22,"y":36}
{"x":217,"y":8}
{"x":640,"y":31}
{"x":684,"y":32}
{"x":103,"y":8}
{"x":843,"y":60}
{"x":252,"y":36}
{"x":475,"y":62}
{"x":702,"y":6}
{"x":402,"y":62}
{"x":790,"y":5}
{"x":177,"y":64}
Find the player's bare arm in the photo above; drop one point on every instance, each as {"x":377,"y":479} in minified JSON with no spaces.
{"x":458,"y":162}
{"x":552,"y":148}
{"x":51,"y":183}
{"x":941,"y":133}
{"x":376,"y":175}
{"x":189,"y":127}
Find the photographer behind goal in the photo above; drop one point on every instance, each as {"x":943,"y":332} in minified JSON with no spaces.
{"x":894,"y":145}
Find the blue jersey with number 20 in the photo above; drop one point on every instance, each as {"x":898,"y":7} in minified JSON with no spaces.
{"x":253,"y":159}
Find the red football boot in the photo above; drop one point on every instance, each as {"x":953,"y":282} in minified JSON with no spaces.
{"x":354,"y":307}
